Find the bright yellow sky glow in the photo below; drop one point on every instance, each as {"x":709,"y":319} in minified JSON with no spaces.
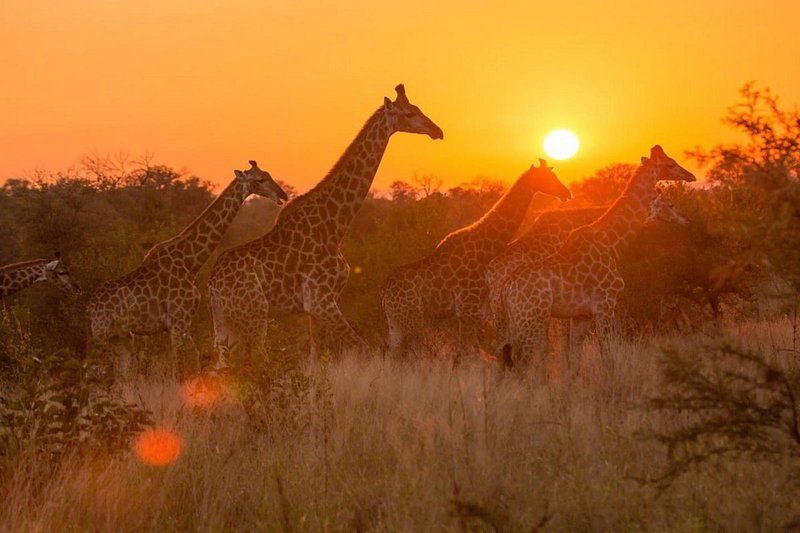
{"x":561,"y":144}
{"x":207,"y":85}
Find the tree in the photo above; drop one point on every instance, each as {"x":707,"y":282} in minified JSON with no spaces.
{"x":755,"y":186}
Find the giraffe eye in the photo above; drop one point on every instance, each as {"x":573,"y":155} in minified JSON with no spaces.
{"x":408,"y":114}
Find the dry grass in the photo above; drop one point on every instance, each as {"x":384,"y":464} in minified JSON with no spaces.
{"x":416,"y":446}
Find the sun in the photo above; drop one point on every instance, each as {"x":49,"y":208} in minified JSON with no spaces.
{"x":561,"y":144}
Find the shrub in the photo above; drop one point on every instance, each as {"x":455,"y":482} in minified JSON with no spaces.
{"x":59,"y":403}
{"x":728,"y":402}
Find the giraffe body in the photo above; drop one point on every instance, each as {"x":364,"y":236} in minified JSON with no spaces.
{"x":543,"y":240}
{"x":451,"y":281}
{"x":297,"y":267}
{"x":18,"y":276}
{"x":581,"y":281}
{"x":161,"y":295}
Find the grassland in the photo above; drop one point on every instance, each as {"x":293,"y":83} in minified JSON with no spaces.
{"x":417,"y":445}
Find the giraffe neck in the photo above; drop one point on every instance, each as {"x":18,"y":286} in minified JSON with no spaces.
{"x":503,"y":220}
{"x":620,"y":223}
{"x":19,"y":276}
{"x":195,"y":244}
{"x":344,"y":189}
{"x":555,"y":226}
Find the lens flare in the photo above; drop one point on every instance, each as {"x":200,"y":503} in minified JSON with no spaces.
{"x":203,"y":391}
{"x":158,"y":446}
{"x":561,"y":144}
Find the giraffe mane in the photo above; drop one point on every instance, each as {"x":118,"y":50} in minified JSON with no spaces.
{"x":185,"y":231}
{"x":633,"y":182}
{"x":488,"y":214}
{"x":293,"y":204}
{"x":23,"y":264}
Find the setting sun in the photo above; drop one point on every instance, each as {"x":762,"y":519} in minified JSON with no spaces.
{"x":561,"y":144}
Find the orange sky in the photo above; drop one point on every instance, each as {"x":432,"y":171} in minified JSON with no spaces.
{"x":208,"y":85}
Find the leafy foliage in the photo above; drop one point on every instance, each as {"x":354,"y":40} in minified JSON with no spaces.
{"x":58,"y":403}
{"x":730,"y":402}
{"x":756,"y":186}
{"x":277,"y":393}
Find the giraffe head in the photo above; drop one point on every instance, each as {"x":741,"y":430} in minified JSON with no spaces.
{"x":261,"y":183}
{"x":56,"y":273}
{"x":544,"y":180}
{"x":405,"y":116}
{"x":662,"y":209}
{"x":663,"y":168}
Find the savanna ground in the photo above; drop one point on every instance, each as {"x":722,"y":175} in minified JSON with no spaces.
{"x":373,"y":444}
{"x":691,"y":423}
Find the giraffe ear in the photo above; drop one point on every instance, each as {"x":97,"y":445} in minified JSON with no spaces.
{"x":386,"y":102}
{"x":239,"y":174}
{"x":645,"y":160}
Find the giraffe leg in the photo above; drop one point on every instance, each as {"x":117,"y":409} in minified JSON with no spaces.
{"x":468,"y":309}
{"x":240,"y":325}
{"x":528,"y":305}
{"x":528,"y":327}
{"x":121,"y":350}
{"x":179,"y":336}
{"x":320,"y":338}
{"x":402,"y":307}
{"x":533,"y":346}
{"x":117,"y":344}
{"x":578,"y":326}
{"x":338,"y":331}
{"x":469,"y":339}
{"x":405,"y":338}
{"x":179,"y":322}
{"x":604,"y":322}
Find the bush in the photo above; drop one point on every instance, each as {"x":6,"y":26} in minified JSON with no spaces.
{"x":731,"y":402}
{"x":58,"y":403}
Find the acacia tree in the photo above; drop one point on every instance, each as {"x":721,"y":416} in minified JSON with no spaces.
{"x":756,"y":193}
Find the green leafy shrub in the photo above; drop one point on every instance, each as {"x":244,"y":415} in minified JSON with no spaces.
{"x":277,"y":391}
{"x":728,"y":402}
{"x":52,"y":404}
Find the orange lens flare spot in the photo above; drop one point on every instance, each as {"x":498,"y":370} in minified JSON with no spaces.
{"x":158,"y":447}
{"x":202,"y":391}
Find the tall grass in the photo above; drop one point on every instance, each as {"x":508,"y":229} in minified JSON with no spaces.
{"x":420,"y":445}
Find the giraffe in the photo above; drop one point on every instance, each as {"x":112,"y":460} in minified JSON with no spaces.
{"x":18,"y":276}
{"x":582,"y":282}
{"x":540,"y":241}
{"x":297,"y":267}
{"x":450,"y":281}
{"x":160,"y":295}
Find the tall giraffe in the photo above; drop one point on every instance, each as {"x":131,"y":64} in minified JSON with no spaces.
{"x":160,"y":295}
{"x":18,"y":276}
{"x":450,"y":282}
{"x":582,"y":281}
{"x":297,"y":267}
{"x":542,"y":240}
